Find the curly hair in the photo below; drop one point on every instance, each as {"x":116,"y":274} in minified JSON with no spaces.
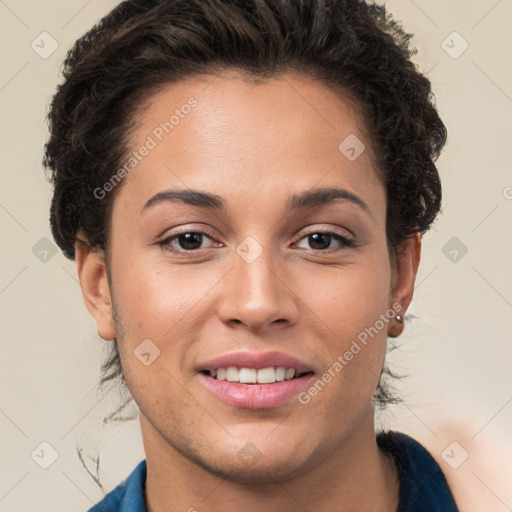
{"x":352,"y":46}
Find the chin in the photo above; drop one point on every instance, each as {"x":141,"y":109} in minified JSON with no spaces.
{"x":243,"y":462}
{"x":260,"y":472}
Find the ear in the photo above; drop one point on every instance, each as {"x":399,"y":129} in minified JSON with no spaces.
{"x":404,"y":277}
{"x":92,"y":275}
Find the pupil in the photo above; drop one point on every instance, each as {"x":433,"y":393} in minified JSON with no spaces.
{"x":190,"y":238}
{"x":315,"y":237}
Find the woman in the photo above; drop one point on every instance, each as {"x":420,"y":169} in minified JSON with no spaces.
{"x":244,"y":186}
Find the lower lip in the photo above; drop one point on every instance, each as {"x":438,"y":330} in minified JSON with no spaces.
{"x":255,"y":396}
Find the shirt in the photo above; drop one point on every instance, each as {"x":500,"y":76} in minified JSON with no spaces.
{"x":423,"y":487}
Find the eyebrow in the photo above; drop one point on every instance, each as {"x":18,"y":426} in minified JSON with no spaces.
{"x":304,"y":201}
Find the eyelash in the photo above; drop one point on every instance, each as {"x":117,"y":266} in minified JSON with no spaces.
{"x":344,"y":241}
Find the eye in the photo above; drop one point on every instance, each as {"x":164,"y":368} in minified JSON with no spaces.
{"x":188,"y":241}
{"x":322,"y":240}
{"x":191,"y":241}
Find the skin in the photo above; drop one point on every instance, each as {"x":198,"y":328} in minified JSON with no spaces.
{"x":253,"y":145}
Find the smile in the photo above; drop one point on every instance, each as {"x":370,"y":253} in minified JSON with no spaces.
{"x":253,"y":375}
{"x":255,"y":380}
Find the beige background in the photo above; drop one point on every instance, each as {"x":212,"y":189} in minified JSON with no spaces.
{"x":458,"y":352}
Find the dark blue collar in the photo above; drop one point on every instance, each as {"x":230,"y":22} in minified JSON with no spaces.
{"x":423,"y":487}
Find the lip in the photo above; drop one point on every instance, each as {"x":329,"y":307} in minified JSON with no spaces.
{"x":257,"y":361}
{"x":255,"y":396}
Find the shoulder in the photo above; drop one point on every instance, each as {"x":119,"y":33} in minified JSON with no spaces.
{"x":423,"y":486}
{"x":128,"y":496}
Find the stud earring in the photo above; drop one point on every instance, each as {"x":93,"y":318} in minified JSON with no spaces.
{"x":400,"y":319}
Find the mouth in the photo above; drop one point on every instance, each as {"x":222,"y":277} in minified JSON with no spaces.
{"x":255,"y":381}
{"x":250,"y":376}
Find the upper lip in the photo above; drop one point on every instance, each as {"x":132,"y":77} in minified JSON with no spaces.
{"x":256,"y":360}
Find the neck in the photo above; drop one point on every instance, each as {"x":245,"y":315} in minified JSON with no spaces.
{"x":356,"y":476}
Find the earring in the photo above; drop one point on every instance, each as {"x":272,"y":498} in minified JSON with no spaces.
{"x":400,"y":319}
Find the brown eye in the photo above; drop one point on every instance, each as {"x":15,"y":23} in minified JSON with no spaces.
{"x":322,"y":240}
{"x":188,"y":241}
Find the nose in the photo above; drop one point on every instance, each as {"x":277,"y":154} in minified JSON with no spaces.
{"x":257,"y":296}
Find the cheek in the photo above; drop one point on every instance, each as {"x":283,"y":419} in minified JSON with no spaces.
{"x":165,"y":305}
{"x":350,"y":298}
{"x":353,"y":303}
{"x":152,"y":299}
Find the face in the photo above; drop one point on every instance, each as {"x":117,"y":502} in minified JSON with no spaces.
{"x":267,"y":273}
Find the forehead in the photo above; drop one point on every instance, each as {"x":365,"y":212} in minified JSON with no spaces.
{"x":226,"y":134}
{"x":248,"y":110}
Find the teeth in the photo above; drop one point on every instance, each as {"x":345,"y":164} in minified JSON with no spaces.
{"x":290,"y":373}
{"x":253,"y":376}
{"x":247,"y":376}
{"x":280,"y":373}
{"x":232,"y":374}
{"x":266,"y":376}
